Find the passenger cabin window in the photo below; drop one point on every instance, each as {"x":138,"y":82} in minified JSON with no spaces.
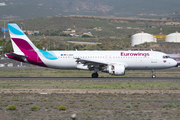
{"x":165,"y":57}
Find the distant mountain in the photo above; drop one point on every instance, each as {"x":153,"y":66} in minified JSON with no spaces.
{"x":20,"y":9}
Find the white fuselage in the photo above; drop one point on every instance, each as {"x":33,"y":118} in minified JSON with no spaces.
{"x":132,"y":60}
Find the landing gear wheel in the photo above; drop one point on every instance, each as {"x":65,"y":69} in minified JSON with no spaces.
{"x":153,"y":76}
{"x":95,"y":75}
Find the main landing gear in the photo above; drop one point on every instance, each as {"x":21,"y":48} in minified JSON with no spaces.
{"x":95,"y":75}
{"x":153,"y":74}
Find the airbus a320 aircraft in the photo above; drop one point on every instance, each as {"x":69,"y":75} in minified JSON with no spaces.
{"x":112,"y":62}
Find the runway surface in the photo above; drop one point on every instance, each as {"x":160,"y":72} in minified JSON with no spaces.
{"x":89,"y":78}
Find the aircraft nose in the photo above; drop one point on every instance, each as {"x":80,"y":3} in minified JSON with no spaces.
{"x":174,"y":63}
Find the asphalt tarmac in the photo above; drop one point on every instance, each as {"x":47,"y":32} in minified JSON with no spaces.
{"x":95,"y":79}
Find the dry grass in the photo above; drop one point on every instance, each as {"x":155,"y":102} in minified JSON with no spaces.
{"x":45,"y":72}
{"x":91,"y":106}
{"x":89,"y":100}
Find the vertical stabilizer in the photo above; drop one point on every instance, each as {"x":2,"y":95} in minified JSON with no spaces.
{"x":24,"y":49}
{"x":19,"y":40}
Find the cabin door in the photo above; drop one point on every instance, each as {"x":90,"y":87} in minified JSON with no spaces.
{"x":153,"y":58}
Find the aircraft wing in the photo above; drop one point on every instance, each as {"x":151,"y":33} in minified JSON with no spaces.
{"x":91,"y":62}
{"x":100,"y":65}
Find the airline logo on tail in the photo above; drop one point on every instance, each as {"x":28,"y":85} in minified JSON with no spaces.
{"x":24,"y":49}
{"x":15,"y":29}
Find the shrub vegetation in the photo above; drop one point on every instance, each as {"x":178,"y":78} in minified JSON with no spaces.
{"x":128,"y":106}
{"x":34,"y":108}
{"x":62,"y":108}
{"x":11,"y":107}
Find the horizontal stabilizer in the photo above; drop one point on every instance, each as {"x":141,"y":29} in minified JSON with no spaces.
{"x":16,"y":55}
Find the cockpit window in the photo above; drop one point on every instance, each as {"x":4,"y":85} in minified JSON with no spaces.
{"x":165,"y":57}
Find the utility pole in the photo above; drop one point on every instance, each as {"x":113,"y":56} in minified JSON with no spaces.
{"x":160,"y":29}
{"x":4,"y":39}
{"x":4,"y":31}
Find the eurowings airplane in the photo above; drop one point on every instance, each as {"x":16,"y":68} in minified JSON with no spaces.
{"x":112,"y":62}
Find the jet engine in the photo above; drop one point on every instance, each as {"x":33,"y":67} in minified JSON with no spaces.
{"x":116,"y":69}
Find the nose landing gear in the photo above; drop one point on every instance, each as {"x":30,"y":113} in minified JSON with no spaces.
{"x":153,"y":74}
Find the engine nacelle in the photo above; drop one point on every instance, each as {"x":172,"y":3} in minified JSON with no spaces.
{"x":116,"y":69}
